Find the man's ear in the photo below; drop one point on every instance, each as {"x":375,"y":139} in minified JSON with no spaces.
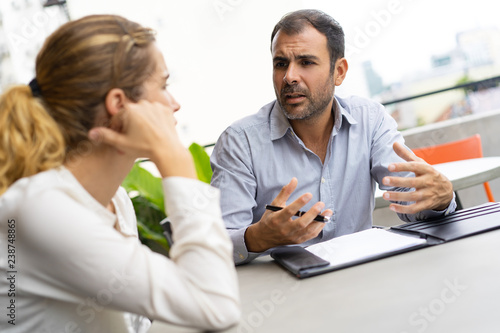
{"x":340,"y":73}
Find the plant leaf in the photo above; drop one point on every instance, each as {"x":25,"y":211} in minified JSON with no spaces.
{"x":148,"y":218}
{"x":148,"y":214}
{"x":146,"y":234}
{"x":146,"y":192}
{"x":201,"y":162}
{"x":147,"y":185}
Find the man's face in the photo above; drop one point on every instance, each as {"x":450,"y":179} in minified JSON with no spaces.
{"x":303,"y":83}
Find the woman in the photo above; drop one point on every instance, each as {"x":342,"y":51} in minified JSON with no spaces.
{"x":68,"y":231}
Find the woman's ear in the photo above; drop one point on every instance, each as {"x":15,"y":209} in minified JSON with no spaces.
{"x":114,"y":103}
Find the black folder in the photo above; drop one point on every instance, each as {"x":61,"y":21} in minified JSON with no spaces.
{"x":463,"y":223}
{"x":303,"y":262}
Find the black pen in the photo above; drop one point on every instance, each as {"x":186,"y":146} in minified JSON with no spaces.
{"x":319,"y":218}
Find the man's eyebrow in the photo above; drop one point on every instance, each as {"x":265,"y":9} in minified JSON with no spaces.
{"x":307,"y":56}
{"x":278,"y":58}
{"x":300,"y":56}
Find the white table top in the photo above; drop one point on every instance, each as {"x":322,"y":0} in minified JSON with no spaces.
{"x":450,"y":287}
{"x":462,"y":174}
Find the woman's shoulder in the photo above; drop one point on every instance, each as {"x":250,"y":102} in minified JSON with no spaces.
{"x":24,"y":194}
{"x":46,"y":190}
{"x":28,"y":187}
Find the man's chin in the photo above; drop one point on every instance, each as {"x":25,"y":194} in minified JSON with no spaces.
{"x":294,"y":114}
{"x":293,"y":111}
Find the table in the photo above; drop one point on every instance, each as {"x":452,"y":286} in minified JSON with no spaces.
{"x":462,"y":174}
{"x":451,"y":287}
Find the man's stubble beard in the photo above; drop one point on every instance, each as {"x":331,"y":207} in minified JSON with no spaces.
{"x":315,"y":106}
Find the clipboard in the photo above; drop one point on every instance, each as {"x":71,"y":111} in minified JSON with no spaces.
{"x":373,"y":244}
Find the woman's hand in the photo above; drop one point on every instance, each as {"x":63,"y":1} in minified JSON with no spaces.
{"x":146,"y":129}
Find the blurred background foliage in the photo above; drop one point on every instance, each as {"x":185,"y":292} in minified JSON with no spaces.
{"x":146,"y":192}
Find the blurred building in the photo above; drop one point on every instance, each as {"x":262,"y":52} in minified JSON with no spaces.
{"x":373,"y":79}
{"x":475,"y":57}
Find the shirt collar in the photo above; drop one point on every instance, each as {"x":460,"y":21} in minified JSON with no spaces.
{"x":280,"y":125}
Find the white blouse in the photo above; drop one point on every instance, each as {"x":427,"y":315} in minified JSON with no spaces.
{"x":73,"y":266}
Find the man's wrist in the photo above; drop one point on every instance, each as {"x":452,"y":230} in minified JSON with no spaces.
{"x":446,"y":205}
{"x":253,"y":241}
{"x":450,"y":208}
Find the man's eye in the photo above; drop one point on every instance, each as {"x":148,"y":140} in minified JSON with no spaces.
{"x":279,"y":65}
{"x":307,"y":62}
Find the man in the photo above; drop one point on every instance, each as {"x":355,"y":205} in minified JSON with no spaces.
{"x":333,"y":149}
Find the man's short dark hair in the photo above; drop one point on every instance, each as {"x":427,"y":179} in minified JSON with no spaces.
{"x":295,"y":22}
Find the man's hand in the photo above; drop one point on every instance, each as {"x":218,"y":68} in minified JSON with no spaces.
{"x":432,"y":189}
{"x":278,"y":228}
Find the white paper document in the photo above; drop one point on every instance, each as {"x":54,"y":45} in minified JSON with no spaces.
{"x":363,"y":245}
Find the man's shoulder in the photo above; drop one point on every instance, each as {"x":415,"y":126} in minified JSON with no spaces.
{"x":259,"y":119}
{"x":362,"y":109}
{"x":354,"y":103}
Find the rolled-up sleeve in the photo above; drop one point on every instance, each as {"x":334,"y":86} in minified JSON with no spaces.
{"x":233,"y":172}
{"x":385,"y":134}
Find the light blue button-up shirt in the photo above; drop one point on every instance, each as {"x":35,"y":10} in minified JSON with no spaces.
{"x":257,"y":155}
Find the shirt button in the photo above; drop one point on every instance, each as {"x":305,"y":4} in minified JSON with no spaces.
{"x":323,"y":180}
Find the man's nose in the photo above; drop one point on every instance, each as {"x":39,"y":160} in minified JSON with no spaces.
{"x":291,"y":76}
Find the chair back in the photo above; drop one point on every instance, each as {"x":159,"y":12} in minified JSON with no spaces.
{"x":452,"y":151}
{"x":455,"y":151}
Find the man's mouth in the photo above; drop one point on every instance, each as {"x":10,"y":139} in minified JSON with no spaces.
{"x":294,"y":98}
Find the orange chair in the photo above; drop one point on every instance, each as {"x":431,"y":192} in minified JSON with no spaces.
{"x":454,"y":151}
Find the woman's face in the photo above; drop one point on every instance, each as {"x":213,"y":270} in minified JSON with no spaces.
{"x":155,"y":88}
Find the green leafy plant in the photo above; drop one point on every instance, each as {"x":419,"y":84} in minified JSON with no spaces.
{"x":146,"y":193}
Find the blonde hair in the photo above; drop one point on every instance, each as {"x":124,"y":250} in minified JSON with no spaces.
{"x":28,"y":141}
{"x":75,"y":69}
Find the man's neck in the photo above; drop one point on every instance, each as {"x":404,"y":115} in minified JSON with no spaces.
{"x":316,"y":132}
